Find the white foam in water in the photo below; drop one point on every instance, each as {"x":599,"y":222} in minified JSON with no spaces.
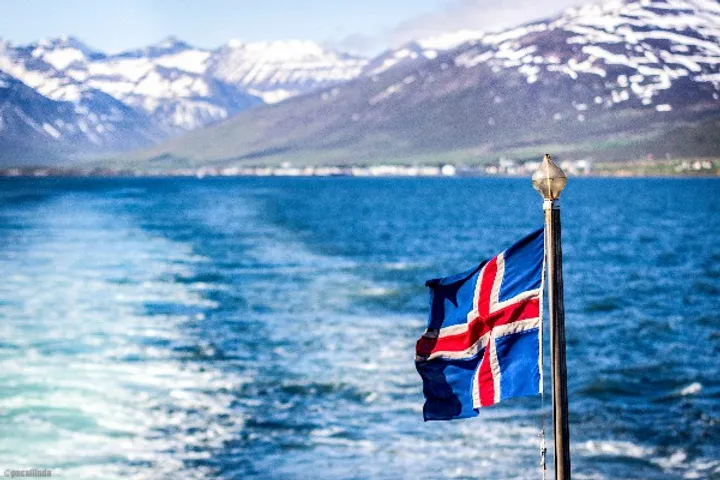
{"x":370,"y":423}
{"x":92,"y":388}
{"x":401,"y":265}
{"x":674,"y":462}
{"x":372,"y":355}
{"x":89,"y":387}
{"x":377,"y":292}
{"x":626,"y":449}
{"x":692,"y":389}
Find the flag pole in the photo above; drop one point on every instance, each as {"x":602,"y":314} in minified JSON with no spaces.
{"x":549,"y":180}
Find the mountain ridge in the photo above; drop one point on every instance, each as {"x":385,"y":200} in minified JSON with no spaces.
{"x":171,"y":86}
{"x":608,"y":81}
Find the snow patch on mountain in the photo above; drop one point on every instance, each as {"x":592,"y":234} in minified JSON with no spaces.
{"x":280,"y":69}
{"x":31,"y":120}
{"x":193,"y":61}
{"x":448,"y":41}
{"x":641,"y":48}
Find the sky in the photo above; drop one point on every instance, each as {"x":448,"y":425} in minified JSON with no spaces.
{"x":361,"y":26}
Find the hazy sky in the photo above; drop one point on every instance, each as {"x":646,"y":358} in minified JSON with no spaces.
{"x":360,"y":25}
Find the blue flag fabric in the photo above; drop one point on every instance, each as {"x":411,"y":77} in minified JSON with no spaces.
{"x":482,"y":343}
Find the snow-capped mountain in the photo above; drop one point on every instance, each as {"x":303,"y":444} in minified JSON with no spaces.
{"x":275,"y":71}
{"x":177,"y":85}
{"x":171,"y":87}
{"x":640,"y":47}
{"x":167,"y":82}
{"x":35,"y":128}
{"x":419,"y":51}
{"x":618,"y":79}
{"x":623,"y":71}
{"x":637,"y":50}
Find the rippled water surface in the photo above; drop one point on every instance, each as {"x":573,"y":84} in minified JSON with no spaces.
{"x":265,"y":328}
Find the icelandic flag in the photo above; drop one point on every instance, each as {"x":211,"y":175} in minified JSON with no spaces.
{"x":482,"y":344}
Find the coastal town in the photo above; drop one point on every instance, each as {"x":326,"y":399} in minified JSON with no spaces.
{"x":504,"y":167}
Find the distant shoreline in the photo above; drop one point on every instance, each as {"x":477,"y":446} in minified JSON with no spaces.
{"x":76,"y":173}
{"x":503,"y":167}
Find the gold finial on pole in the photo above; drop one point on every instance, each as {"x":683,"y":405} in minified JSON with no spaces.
{"x":549,"y":180}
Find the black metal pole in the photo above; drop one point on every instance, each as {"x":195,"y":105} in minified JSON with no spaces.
{"x":558,"y":362}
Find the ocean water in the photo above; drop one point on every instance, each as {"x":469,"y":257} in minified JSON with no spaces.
{"x":265,"y":327}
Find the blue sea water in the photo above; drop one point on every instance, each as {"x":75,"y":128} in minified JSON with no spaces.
{"x":265,"y":327}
